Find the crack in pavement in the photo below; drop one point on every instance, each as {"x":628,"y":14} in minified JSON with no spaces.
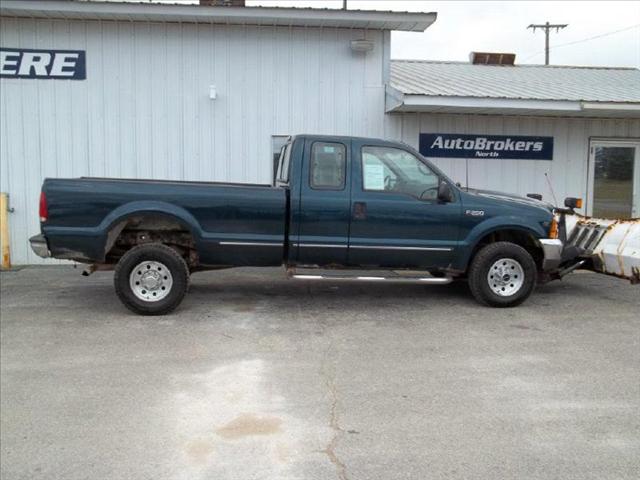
{"x":334,"y":420}
{"x":334,"y":423}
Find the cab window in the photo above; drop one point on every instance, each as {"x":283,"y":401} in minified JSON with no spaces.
{"x":328,"y":166}
{"x":393,"y":170}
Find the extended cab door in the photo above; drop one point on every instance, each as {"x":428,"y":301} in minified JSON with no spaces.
{"x":396,"y":217}
{"x":322,"y":219}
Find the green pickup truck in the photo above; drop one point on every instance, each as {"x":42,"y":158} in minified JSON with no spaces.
{"x":341,"y":208}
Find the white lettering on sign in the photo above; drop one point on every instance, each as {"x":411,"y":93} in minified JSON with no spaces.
{"x":8,"y":62}
{"x":63,"y":64}
{"x":483,"y":143}
{"x":42,"y":64}
{"x":36,"y":61}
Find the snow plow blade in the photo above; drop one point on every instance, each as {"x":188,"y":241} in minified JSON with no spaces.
{"x":610,"y":246}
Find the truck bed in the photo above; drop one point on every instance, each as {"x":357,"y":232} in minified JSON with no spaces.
{"x":220,"y":216}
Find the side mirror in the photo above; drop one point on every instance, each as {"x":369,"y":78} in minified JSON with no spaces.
{"x":445,"y":193}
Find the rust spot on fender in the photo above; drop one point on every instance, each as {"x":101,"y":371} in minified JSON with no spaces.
{"x":248,"y":424}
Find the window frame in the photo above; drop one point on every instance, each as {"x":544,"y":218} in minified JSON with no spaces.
{"x":437,"y":174}
{"x":286,"y":159}
{"x":276,"y":174}
{"x":344,"y":178}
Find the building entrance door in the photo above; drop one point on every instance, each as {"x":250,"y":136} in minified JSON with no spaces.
{"x":614,"y":170}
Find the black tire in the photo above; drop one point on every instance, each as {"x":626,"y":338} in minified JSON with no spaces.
{"x":485,"y":259}
{"x":151,"y":252}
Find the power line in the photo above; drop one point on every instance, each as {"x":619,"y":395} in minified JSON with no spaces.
{"x":547,"y":27}
{"x":586,"y":40}
{"x":598,"y":36}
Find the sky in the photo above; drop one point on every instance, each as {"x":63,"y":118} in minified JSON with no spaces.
{"x":466,"y":26}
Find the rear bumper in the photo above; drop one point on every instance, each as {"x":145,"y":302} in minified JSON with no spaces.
{"x":39,"y":246}
{"x":552,"y":249}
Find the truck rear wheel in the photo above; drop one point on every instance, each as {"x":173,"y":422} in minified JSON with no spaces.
{"x":502,"y":274}
{"x":151,"y":279}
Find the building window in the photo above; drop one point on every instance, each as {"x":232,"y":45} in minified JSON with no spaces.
{"x":277,"y":142}
{"x":328,"y":166}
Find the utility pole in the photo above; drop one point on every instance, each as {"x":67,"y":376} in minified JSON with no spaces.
{"x":344,"y":4}
{"x":546,"y":27}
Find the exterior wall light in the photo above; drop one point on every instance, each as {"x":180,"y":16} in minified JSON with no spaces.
{"x":362,"y":45}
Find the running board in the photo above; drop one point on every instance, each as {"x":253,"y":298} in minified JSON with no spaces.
{"x":392,"y":278}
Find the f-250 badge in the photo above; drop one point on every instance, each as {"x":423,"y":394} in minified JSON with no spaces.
{"x":474,"y":213}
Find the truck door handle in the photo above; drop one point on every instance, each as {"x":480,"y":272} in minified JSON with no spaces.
{"x":359,"y":210}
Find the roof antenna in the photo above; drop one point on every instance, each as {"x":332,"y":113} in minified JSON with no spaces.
{"x":466,"y":154}
{"x":555,"y":200}
{"x":466,"y":160}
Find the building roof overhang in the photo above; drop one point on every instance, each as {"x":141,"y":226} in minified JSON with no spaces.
{"x":558,"y":90}
{"x":194,"y":13}
{"x":398,"y":102}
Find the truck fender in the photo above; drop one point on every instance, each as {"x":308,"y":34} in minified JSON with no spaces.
{"x":489,"y":226}
{"x":121,"y":214}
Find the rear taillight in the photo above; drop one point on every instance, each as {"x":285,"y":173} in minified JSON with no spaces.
{"x":44,"y":212}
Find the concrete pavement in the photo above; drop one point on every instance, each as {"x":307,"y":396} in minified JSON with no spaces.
{"x":258,"y":377}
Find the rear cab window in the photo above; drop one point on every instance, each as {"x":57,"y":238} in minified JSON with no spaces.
{"x":328,"y":166}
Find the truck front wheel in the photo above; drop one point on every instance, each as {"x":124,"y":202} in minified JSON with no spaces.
{"x":502,"y":274}
{"x":151,"y":279}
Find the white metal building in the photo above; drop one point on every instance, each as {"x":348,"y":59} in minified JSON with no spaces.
{"x":206,"y":93}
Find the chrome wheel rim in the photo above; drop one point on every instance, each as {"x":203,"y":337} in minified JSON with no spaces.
{"x":505,"y":277}
{"x":150,"y":281}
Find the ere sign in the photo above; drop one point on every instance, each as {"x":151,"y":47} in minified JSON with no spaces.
{"x":43,"y":64}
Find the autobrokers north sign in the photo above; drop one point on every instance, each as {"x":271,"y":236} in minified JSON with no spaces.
{"x":43,"y":64}
{"x":453,"y":145}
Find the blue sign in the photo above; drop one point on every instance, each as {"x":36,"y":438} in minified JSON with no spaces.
{"x":44,"y":64}
{"x":453,"y":145}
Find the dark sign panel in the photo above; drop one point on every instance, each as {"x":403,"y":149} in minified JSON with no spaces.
{"x":45,"y":64}
{"x":453,"y":145}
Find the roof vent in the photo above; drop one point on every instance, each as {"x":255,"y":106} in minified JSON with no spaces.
{"x":489,"y":58}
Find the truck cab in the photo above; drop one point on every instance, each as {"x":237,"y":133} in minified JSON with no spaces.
{"x":367,"y":203}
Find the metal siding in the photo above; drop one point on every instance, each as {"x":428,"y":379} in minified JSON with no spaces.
{"x":144,"y":110}
{"x":567,"y":171}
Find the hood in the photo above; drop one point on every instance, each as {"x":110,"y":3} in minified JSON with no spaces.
{"x":511,"y":198}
